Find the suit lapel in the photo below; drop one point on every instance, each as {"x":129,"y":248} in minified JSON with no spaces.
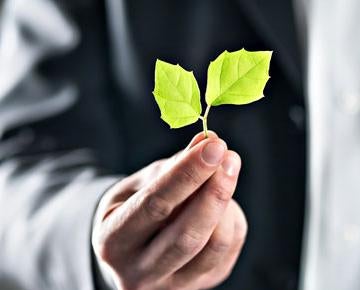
{"x":275,"y":22}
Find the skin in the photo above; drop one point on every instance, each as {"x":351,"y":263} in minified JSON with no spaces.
{"x":173,"y":225}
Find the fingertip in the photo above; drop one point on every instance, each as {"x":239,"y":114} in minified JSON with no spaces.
{"x":235,"y":155}
{"x":231,"y":163}
{"x":211,"y":134}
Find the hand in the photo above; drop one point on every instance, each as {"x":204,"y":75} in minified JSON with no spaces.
{"x":174,"y":224}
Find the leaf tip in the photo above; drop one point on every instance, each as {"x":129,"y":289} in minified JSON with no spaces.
{"x":162,"y":117}
{"x":158,"y":61}
{"x":270,"y":53}
{"x":158,"y":64}
{"x":154,"y":93}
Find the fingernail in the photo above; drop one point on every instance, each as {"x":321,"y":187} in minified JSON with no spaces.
{"x":213,"y":153}
{"x":198,"y":138}
{"x":231,"y":165}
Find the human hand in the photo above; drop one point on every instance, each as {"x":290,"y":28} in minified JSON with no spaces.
{"x":174,"y":224}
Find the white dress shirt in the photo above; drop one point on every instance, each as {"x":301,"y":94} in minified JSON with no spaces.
{"x":331,"y":257}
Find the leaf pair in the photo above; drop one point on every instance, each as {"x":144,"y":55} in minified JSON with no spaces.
{"x":236,"y":78}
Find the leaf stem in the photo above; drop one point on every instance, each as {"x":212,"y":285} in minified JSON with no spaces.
{"x":204,"y":120}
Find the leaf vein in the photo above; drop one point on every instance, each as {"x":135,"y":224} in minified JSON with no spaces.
{"x":178,"y":102}
{"x":241,"y":77}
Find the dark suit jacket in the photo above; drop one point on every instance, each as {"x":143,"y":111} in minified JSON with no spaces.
{"x":76,"y":111}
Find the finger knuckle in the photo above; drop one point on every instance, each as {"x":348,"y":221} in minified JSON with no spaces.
{"x":190,"y":174}
{"x":157,"y":208}
{"x":157,"y":165}
{"x":188,"y":242}
{"x":240,"y":232}
{"x":219,"y":244}
{"x":241,"y":227}
{"x":98,"y":240}
{"x":102,"y":252}
{"x":105,"y":251}
{"x":221,"y":193}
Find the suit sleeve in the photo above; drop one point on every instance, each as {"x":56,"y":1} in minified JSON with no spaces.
{"x":49,"y":185}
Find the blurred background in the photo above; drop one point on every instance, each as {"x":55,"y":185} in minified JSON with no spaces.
{"x":76,"y":107}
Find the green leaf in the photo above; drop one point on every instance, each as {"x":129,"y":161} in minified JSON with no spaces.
{"x":237,"y":77}
{"x":177,"y":94}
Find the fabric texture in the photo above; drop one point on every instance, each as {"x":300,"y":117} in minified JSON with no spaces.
{"x":331,"y":251}
{"x":48,"y":189}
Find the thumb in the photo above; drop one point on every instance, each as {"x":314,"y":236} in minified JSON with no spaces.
{"x":195,"y":140}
